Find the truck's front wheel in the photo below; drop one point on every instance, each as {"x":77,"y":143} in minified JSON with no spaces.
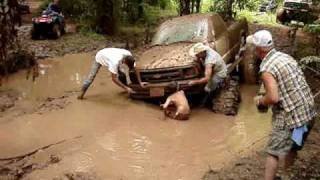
{"x":249,"y":66}
{"x":227,"y":100}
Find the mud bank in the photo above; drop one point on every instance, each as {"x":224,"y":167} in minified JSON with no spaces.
{"x":120,"y":138}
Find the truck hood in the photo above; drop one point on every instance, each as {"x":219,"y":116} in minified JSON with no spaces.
{"x":165,"y":56}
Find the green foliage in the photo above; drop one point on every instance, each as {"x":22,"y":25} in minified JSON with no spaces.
{"x":146,"y":11}
{"x":92,"y":35}
{"x":312,"y":28}
{"x":219,"y":6}
{"x":250,"y":5}
{"x":164,"y":4}
{"x":254,"y":17}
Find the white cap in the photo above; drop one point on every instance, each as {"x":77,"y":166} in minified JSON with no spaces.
{"x":262,"y":38}
{"x":197,"y":48}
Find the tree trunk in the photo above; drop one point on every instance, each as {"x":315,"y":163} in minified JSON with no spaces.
{"x":198,"y":3}
{"x":184,"y":7}
{"x":140,"y":9}
{"x":229,"y":9}
{"x":106,"y":21}
{"x":9,"y":16}
{"x":192,"y":6}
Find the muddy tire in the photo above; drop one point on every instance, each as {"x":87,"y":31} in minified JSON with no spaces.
{"x":228,"y":99}
{"x":249,"y":66}
{"x":56,"y":32}
{"x":34,"y":34}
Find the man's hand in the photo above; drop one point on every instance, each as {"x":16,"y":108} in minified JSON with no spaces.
{"x":257,"y":99}
{"x":130,"y":91}
{"x":191,"y":83}
{"x":261,"y":108}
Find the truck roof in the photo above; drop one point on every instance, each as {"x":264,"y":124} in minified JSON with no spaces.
{"x":299,"y":1}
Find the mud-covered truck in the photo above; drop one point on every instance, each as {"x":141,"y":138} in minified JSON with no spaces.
{"x":166,"y":64}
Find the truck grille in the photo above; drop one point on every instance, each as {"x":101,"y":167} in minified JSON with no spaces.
{"x":168,"y":75}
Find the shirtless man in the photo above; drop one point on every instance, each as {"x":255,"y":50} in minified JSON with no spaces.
{"x":177,"y":106}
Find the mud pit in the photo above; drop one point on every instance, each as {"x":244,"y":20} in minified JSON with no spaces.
{"x":120,"y":138}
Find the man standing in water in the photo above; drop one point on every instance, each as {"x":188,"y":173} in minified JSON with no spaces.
{"x":115,"y":60}
{"x":289,"y":94}
{"x":215,"y":68}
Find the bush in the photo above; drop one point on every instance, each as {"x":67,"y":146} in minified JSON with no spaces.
{"x":312,"y":28}
{"x":254,"y":17}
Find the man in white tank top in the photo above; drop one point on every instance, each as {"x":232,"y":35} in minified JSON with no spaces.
{"x":115,"y":59}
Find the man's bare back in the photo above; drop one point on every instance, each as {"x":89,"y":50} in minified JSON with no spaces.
{"x":177,"y":106}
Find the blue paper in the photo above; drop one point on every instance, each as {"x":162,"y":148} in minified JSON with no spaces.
{"x":297,"y":134}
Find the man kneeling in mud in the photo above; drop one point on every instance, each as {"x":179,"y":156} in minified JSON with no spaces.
{"x":215,"y":69}
{"x":176,"y":106}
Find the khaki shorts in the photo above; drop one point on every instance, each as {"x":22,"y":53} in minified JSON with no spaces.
{"x":280,"y":142}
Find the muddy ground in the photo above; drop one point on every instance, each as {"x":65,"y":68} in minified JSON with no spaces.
{"x":47,"y":134}
{"x":307,"y":165}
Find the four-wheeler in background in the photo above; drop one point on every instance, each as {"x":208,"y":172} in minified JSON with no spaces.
{"x":49,"y":24}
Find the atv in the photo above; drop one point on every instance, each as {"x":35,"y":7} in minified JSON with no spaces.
{"x":49,"y":24}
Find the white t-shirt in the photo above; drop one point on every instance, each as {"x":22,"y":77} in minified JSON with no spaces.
{"x":220,"y":67}
{"x":111,"y":58}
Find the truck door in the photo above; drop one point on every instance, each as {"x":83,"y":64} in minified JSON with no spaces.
{"x":221,"y":37}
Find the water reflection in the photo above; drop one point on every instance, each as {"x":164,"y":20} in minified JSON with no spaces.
{"x":67,"y":74}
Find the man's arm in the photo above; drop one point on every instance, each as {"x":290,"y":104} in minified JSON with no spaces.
{"x":119,"y":83}
{"x":271,"y":86}
{"x":205,"y":79}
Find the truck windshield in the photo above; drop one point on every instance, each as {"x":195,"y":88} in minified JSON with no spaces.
{"x":295,"y":5}
{"x":194,"y":30}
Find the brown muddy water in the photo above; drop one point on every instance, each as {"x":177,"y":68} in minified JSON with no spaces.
{"x":122,"y":138}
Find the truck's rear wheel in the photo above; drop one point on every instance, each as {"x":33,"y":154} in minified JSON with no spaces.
{"x":249,"y":66}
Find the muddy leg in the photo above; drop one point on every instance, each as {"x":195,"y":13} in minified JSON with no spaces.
{"x":86,"y":84}
{"x":271,"y":167}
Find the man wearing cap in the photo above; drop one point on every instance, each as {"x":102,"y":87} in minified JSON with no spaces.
{"x":118,"y":61}
{"x":215,"y":67}
{"x":291,"y":99}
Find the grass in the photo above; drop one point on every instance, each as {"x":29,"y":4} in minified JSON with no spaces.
{"x":205,"y":6}
{"x":93,"y":35}
{"x":154,"y":16}
{"x":256,"y":17}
